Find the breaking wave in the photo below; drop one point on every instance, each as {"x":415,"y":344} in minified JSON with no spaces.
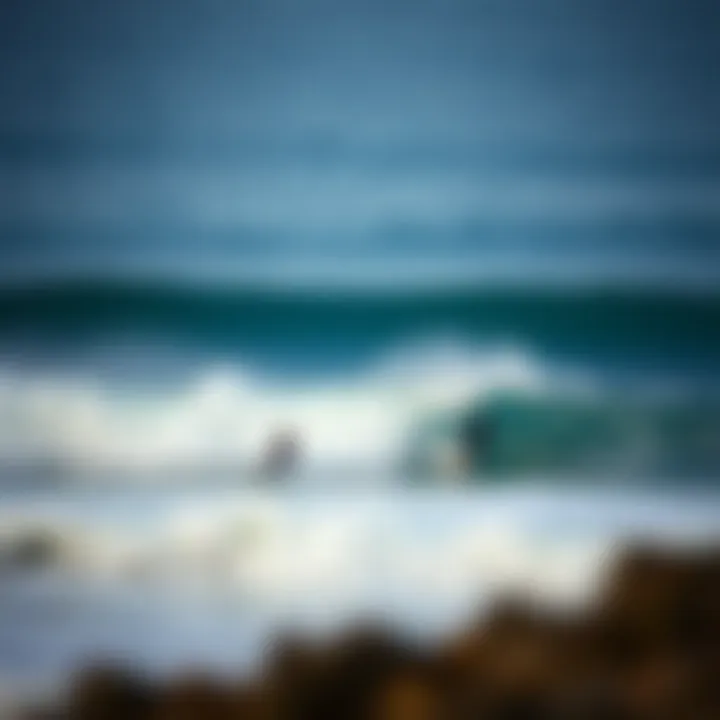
{"x":223,"y":415}
{"x":545,"y":419}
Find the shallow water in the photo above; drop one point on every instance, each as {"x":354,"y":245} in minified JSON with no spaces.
{"x":165,"y":577}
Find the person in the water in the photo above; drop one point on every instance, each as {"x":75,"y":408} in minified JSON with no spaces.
{"x":456,"y":449}
{"x":281,"y":456}
{"x":475,"y":442}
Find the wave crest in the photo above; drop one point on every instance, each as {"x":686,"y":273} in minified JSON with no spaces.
{"x":224,"y":415}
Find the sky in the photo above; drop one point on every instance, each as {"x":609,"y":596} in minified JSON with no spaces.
{"x":197,"y":136}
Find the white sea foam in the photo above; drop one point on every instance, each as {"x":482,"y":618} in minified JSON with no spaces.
{"x":445,"y":546}
{"x":210,"y":577}
{"x":354,"y":556}
{"x":224,"y":415}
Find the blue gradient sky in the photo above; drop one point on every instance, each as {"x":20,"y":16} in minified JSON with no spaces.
{"x":209,"y":136}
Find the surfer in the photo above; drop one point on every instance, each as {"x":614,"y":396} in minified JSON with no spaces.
{"x":475,"y":439}
{"x":281,"y":455}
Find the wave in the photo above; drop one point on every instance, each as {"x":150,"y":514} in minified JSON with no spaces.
{"x":225,"y":415}
{"x":286,"y":327}
{"x":399,"y":417}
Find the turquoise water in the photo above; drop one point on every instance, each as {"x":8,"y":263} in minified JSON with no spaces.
{"x":306,"y":329}
{"x":583,"y":381}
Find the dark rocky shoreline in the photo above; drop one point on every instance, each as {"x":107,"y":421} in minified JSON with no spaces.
{"x":648,"y":649}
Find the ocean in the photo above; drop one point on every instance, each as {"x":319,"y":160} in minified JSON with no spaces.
{"x":150,"y":376}
{"x":135,"y":526}
{"x":463,"y":254}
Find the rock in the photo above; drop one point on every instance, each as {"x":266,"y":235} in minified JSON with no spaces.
{"x":648,"y":651}
{"x":656,"y":598}
{"x":33,"y":550}
{"x":104,"y":692}
{"x":408,"y":695}
{"x":194,"y":697}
